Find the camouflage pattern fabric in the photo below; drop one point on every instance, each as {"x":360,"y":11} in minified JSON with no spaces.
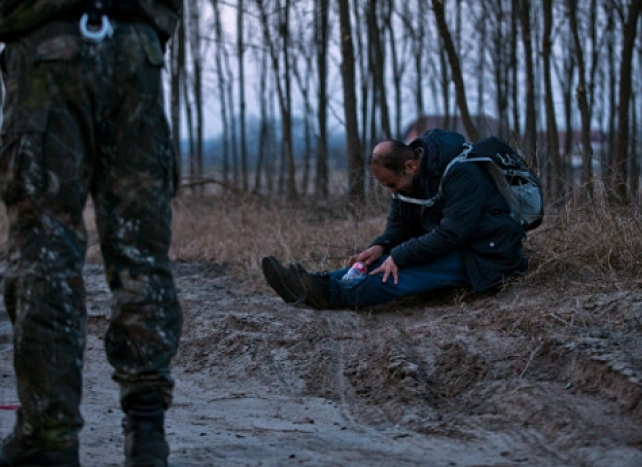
{"x":86,"y":119}
{"x":20,"y":16}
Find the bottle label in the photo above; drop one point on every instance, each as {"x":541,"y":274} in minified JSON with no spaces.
{"x":360,"y":266}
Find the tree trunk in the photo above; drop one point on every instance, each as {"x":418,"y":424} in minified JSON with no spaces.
{"x":261,"y":164}
{"x":304,"y":83}
{"x":586,"y":189}
{"x":514,"y":69}
{"x":240,"y":57}
{"x":398,"y":66}
{"x":322,"y":35}
{"x":482,"y":28}
{"x":455,"y":68}
{"x":355,"y":159}
{"x":378,"y":67}
{"x":283,"y":83}
{"x":362,"y":54}
{"x":197,"y":85}
{"x":565,"y":84}
{"x":607,"y":161}
{"x":530,"y":139}
{"x":445,"y":89}
{"x":219,"y":58}
{"x":621,"y":152}
{"x":499,"y":56}
{"x":177,"y":74}
{"x":634,"y":162}
{"x":552,"y":135}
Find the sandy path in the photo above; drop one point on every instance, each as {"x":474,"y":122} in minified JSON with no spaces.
{"x":263,"y":384}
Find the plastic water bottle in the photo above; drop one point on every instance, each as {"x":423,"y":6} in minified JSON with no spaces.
{"x":356,"y":272}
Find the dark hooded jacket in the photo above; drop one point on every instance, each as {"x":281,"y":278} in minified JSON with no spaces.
{"x":18,"y":17}
{"x":471,"y":217}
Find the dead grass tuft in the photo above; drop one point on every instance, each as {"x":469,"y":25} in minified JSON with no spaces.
{"x":237,"y":234}
{"x":587,"y":244}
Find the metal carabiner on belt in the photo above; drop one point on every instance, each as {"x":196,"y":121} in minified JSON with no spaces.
{"x":93,"y":34}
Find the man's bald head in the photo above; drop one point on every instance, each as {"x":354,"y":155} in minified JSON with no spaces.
{"x":392,"y":155}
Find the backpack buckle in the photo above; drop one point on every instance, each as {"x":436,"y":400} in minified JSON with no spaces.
{"x":91,"y":33}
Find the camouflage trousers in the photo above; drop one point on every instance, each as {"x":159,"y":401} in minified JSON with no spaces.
{"x":86,"y":119}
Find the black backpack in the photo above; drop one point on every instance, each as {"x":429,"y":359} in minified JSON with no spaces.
{"x":518,"y":184}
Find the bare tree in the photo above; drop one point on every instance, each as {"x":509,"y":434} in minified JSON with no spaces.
{"x":620,"y":154}
{"x":581,"y":94}
{"x":240,"y":57}
{"x":197,"y":82}
{"x":530,"y":139}
{"x":322,"y":34}
{"x":219,"y":59}
{"x":455,"y":68}
{"x":361,"y":56}
{"x":414,"y":27}
{"x":611,"y":63}
{"x":177,"y":75}
{"x":279,"y":49}
{"x":636,"y":124}
{"x":552,"y":135}
{"x":303,"y":77}
{"x":261,"y":163}
{"x":565,"y":72}
{"x":399,"y":46}
{"x":189,"y":107}
{"x":500,"y":40}
{"x":481,"y":25}
{"x":378,"y":66}
{"x":396,"y":70}
{"x":355,"y":160}
{"x":516,"y":101}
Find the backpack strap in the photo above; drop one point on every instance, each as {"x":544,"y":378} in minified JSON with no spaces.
{"x":497,"y":174}
{"x":426,"y":203}
{"x":461,"y":157}
{"x":494,"y":171}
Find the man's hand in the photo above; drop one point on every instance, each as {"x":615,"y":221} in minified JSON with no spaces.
{"x":368,"y":256}
{"x":387,"y":267}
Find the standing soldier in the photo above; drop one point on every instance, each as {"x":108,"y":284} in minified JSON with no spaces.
{"x":84,"y":115}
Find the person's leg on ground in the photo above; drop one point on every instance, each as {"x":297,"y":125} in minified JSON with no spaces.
{"x":328,"y":290}
{"x":444,"y":272}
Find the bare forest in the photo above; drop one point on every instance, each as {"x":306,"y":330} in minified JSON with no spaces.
{"x":560,"y":80}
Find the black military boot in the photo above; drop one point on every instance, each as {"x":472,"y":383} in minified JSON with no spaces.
{"x":315,"y":286}
{"x":144,"y":428}
{"x":20,"y":451}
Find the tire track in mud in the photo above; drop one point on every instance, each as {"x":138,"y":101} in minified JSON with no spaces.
{"x":340,"y":335}
{"x":376,"y":374}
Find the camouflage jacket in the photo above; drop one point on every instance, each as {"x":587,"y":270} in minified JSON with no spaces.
{"x":20,"y":16}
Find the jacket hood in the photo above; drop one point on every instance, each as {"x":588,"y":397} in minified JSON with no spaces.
{"x":439,"y":148}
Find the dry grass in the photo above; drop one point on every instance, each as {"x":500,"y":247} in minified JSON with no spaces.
{"x":574,"y":245}
{"x":587,"y":244}
{"x":238,"y":234}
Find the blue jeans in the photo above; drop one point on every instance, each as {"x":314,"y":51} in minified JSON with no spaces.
{"x":441,"y":273}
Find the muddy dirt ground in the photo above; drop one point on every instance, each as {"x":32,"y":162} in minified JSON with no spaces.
{"x":526,"y":377}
